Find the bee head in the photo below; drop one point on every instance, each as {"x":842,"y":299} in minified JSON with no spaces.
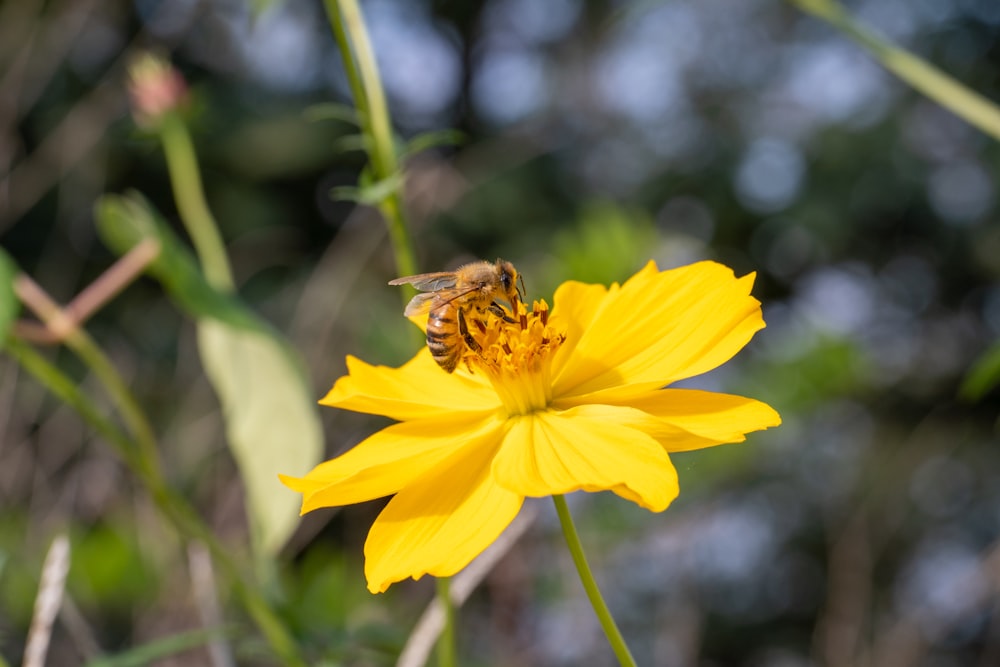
{"x":510,"y":280}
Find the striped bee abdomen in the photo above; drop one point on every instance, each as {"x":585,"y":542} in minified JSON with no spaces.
{"x":442,"y":337}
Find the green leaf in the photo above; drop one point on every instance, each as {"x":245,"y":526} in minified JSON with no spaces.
{"x":983,"y":376}
{"x":271,"y":422}
{"x":924,"y":77}
{"x":158,"y":649}
{"x":372,"y":194}
{"x":350,"y":143}
{"x":341,"y":112}
{"x":10,"y":305}
{"x":123,"y":222}
{"x":426,"y":140}
{"x":271,"y":418}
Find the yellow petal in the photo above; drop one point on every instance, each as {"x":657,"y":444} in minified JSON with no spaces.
{"x":419,"y":389}
{"x":689,"y":418}
{"x":723,"y":417}
{"x":661,"y":327}
{"x":589,"y":448}
{"x":440,"y":523}
{"x":392,"y":459}
{"x":573,"y":307}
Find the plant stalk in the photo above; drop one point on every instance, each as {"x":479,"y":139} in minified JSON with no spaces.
{"x":590,"y":585}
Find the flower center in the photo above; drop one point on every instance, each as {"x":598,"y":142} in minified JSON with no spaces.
{"x":516,"y":355}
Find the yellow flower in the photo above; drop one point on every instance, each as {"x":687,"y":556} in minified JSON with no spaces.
{"x":557,"y":402}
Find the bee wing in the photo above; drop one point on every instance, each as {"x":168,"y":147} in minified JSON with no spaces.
{"x":421,"y":304}
{"x":427,"y":301}
{"x":428,"y":282}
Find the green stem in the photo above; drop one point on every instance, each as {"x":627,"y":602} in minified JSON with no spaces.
{"x":68,"y":391}
{"x":924,"y":77}
{"x":382,"y":153}
{"x":349,"y":29}
{"x":446,"y":642}
{"x":587,"y":578}
{"x":185,"y":178}
{"x":139,"y":453}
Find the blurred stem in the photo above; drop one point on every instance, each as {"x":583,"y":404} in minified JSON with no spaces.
{"x":446,"y":642}
{"x":356,"y":51}
{"x":68,"y":391}
{"x":139,"y":451}
{"x":185,"y":178}
{"x":173,"y":506}
{"x":924,"y":77}
{"x":587,"y":578}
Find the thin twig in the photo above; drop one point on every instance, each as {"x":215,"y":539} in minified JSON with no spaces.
{"x":108,"y":285}
{"x":204,"y":587}
{"x":50,"y":593}
{"x":841,"y":625}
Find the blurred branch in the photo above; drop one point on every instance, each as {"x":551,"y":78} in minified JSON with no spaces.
{"x":16,"y":29}
{"x":143,"y":455}
{"x":48,"y":601}
{"x":77,"y":627}
{"x":75,"y":136}
{"x":139,"y":451}
{"x":108,"y":285}
{"x":921,"y":75}
{"x":204,"y":588}
{"x":841,"y":623}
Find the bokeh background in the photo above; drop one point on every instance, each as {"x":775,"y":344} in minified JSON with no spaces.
{"x":595,"y":135}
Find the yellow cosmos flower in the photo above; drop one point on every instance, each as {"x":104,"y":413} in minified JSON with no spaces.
{"x":560,"y":401}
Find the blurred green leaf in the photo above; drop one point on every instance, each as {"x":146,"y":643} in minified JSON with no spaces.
{"x":924,"y":77}
{"x":158,"y":649}
{"x":350,"y":143}
{"x":108,"y":569}
{"x":123,"y":222}
{"x":426,"y":140}
{"x":271,"y":417}
{"x":10,"y":306}
{"x":341,"y":112}
{"x":608,"y":244}
{"x":271,"y":422}
{"x":983,"y":376}
{"x":371,"y":194}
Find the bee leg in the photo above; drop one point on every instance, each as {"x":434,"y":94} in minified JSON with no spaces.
{"x":498,"y":310}
{"x":463,"y":329}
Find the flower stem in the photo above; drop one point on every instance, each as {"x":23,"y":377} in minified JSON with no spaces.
{"x":587,"y":579}
{"x":446,"y":642}
{"x":356,"y":51}
{"x":182,"y":163}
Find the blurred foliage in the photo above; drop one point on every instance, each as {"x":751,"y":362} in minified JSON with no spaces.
{"x":595,"y":136}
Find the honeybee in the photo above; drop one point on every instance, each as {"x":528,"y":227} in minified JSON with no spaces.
{"x":450,"y":297}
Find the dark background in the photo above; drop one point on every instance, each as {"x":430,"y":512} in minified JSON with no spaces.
{"x":597,"y":136}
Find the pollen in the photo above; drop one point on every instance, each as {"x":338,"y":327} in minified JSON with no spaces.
{"x":515,"y":353}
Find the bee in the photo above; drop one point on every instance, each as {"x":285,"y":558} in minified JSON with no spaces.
{"x":452,"y":298}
